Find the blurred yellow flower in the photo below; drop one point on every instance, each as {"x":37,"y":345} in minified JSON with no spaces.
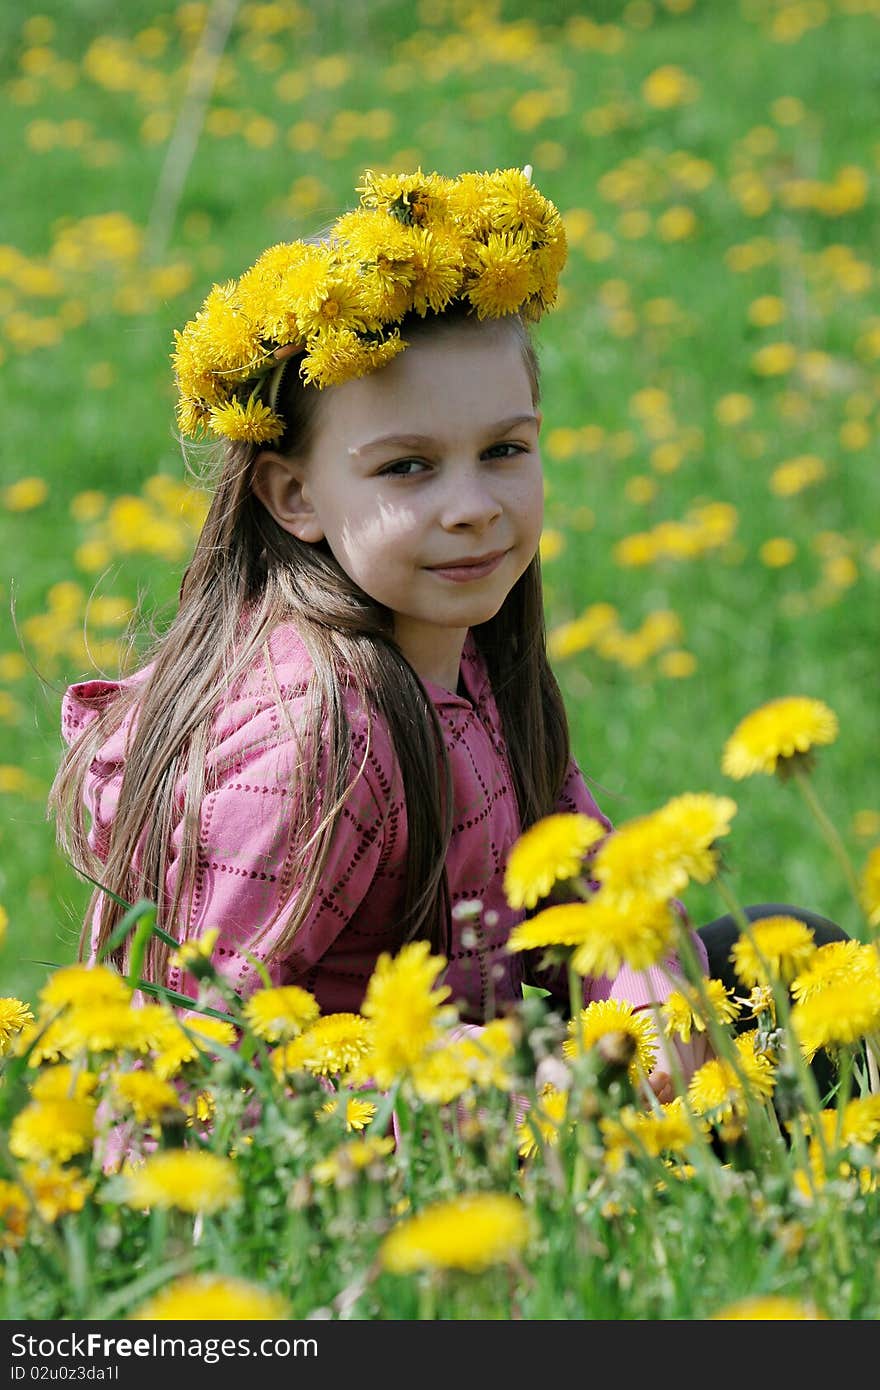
{"x":552,"y":849}
{"x":280,"y":1014}
{"x":777,"y":947}
{"x":334,"y":1044}
{"x":84,"y":986}
{"x":777,"y":552}
{"x":870,"y":887}
{"x":770,"y":1308}
{"x":657,"y":854}
{"x":407,"y":1011}
{"x":774,"y":359}
{"x":734,"y":408}
{"x":767,"y":310}
{"x":546,"y":1115}
{"x":765,"y":740}
{"x":148,"y":1096}
{"x":55,"y":1191}
{"x":796,"y":474}
{"x":670,"y":1131}
{"x":669,"y":86}
{"x":15,"y":1208}
{"x":212,"y":1297}
{"x":14,"y":1014}
{"x":345,"y":1162}
{"x":470,"y":1232}
{"x":53,"y":1130}
{"x":25,"y":494}
{"x":189,"y":1179}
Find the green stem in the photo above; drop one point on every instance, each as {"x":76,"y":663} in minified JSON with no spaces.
{"x":442,"y":1146}
{"x":828,"y":828}
{"x":809,"y":1087}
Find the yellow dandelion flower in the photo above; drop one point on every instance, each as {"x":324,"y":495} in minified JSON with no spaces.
{"x":840,"y":1015}
{"x":149,"y":1097}
{"x":281,"y":1014}
{"x":634,"y":1131}
{"x":53,"y":1129}
{"x":212,"y":1298}
{"x":176,"y":1048}
{"x":14,"y":1212}
{"x":501,"y":274}
{"x":860,"y":1121}
{"x":55,"y":1191}
{"x":405,"y":1009}
{"x":436,"y":261}
{"x":13,"y":1017}
{"x":869,"y":888}
{"x":547,"y":1116}
{"x":489,"y":1055}
{"x":551,"y":849}
{"x":336,"y":301}
{"x":562,"y":926}
{"x":196,"y":952}
{"x":777,"y":947}
{"x":471,"y":1232}
{"x":611,"y":1016}
{"x":346,"y":1161}
{"x":681,"y":1015}
{"x":358,"y":1113}
{"x":187,"y":1179}
{"x":250,"y":420}
{"x":715,"y":1090}
{"x":338,"y":354}
{"x":226,"y":332}
{"x":64,"y":1082}
{"x":769,"y":1308}
{"x":415,"y":199}
{"x":835,"y":963}
{"x":84,"y":985}
{"x":441,"y":1075}
{"x":334,"y":1045}
{"x":513,"y":205}
{"x":637,"y":935}
{"x":776,"y":732}
{"x":106,"y":1027}
{"x":658,"y":854}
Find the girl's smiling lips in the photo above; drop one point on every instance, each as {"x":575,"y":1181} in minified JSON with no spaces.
{"x":469,"y":569}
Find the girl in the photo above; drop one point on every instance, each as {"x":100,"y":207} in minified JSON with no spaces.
{"x":352,"y":717}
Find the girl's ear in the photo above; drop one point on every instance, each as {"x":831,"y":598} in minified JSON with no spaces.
{"x":279,"y":483}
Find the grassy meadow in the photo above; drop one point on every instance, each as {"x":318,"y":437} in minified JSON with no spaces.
{"x":717,"y":168}
{"x":711,"y":394}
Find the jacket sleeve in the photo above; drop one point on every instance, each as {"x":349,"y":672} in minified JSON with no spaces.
{"x":246,"y":884}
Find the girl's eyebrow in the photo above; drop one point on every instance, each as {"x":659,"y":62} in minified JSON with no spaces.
{"x":413,"y":441}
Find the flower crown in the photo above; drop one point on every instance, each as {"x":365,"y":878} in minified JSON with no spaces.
{"x":415,"y":243}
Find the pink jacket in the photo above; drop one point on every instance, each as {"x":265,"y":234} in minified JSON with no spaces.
{"x":243,"y":866}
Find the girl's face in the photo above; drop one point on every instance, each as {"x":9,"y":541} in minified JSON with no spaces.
{"x":432,"y":459}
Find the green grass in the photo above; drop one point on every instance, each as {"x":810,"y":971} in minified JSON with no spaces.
{"x":641,"y":736}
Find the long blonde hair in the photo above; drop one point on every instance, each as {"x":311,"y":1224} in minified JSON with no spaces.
{"x":248,"y":575}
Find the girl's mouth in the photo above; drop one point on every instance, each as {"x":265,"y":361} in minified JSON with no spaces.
{"x":461,"y":573}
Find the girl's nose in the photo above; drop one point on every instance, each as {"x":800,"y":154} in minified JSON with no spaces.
{"x":469,"y":502}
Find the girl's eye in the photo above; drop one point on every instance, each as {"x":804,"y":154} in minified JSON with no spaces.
{"x":517,"y":449}
{"x":393,"y":469}
{"x":391,"y":472}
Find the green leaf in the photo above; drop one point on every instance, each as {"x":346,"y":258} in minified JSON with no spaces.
{"x":132,"y":916}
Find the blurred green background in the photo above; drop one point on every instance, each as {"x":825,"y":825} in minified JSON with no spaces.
{"x":711,"y":377}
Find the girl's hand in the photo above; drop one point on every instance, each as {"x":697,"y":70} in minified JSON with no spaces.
{"x":661,"y":1084}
